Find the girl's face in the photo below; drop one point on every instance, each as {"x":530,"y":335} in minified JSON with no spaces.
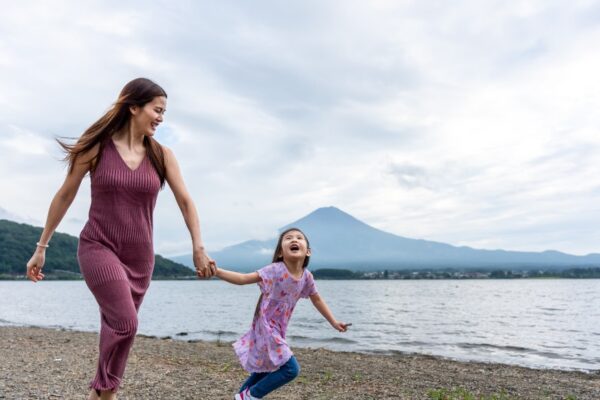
{"x":294,"y":246}
{"x":147,"y":118}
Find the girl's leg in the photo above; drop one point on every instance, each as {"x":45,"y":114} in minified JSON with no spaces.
{"x":108,"y":395}
{"x":274,"y":380}
{"x":252,"y":380}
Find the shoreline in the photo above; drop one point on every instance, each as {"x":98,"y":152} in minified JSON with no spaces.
{"x":58,"y":363}
{"x":182,"y":337}
{"x":9,"y":278}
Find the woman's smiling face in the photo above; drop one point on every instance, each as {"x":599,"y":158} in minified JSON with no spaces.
{"x":147,"y":118}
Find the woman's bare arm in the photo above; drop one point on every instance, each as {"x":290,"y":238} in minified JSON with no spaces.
{"x":58,"y":208}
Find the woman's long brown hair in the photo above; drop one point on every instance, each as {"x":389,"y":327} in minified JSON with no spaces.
{"x":138,"y":92}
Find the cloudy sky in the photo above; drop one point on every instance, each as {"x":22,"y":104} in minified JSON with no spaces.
{"x":468,"y":122}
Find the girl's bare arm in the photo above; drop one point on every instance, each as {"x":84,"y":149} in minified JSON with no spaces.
{"x":238,"y":278}
{"x":322,"y":307}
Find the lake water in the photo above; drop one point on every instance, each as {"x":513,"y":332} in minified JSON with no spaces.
{"x":534,"y":323}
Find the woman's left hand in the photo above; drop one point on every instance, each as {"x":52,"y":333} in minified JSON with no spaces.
{"x":205,"y":266}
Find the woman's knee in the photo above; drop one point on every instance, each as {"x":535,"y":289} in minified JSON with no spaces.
{"x":130,"y":327}
{"x":124,"y":327}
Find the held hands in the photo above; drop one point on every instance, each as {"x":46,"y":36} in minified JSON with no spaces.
{"x":35,"y":264}
{"x":205,"y":266}
{"x":340,"y":326}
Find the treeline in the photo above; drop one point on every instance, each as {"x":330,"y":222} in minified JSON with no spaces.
{"x":572,"y":273}
{"x":332,"y":273}
{"x":17,"y":243}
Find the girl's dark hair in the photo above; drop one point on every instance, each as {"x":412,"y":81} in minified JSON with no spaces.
{"x":138,"y":92}
{"x":278,"y":255}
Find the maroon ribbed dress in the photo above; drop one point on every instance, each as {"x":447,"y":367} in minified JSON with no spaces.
{"x":116,"y":255}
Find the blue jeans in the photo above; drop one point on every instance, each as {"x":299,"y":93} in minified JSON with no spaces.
{"x":263,"y":383}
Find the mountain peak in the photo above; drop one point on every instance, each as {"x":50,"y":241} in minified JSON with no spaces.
{"x":338,"y":240}
{"x":329,"y":212}
{"x":327,"y":216}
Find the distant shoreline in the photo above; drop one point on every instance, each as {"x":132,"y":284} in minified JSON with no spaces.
{"x":47,"y":363}
{"x":405,"y":274}
{"x":459,"y":274}
{"x":51,"y":277}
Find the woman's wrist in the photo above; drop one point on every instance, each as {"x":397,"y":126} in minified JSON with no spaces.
{"x":199,"y":249}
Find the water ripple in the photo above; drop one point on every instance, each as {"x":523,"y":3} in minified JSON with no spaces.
{"x":524,"y":322}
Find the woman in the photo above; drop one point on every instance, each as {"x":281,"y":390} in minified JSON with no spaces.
{"x":127,"y":167}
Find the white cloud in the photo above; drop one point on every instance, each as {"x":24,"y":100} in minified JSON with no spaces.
{"x":25,"y":142}
{"x":469,"y":123}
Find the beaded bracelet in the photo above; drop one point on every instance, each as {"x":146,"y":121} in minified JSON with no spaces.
{"x":42,"y":245}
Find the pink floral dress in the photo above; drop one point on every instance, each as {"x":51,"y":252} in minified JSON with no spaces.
{"x":263,"y":348}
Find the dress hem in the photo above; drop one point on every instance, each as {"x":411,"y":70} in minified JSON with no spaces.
{"x":262,"y":371}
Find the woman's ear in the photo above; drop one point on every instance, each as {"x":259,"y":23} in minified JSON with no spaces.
{"x":133,"y":109}
{"x":308,"y":252}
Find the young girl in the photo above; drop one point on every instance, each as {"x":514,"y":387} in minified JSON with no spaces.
{"x":263,"y":351}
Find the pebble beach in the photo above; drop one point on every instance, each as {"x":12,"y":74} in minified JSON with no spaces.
{"x":39,"y":363}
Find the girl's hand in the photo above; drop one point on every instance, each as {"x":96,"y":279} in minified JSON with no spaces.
{"x":340,"y":326}
{"x":205,"y":266}
{"x":35,"y":264}
{"x":213,"y":267}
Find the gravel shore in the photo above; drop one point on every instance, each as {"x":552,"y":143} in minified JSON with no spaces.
{"x":53,"y":364}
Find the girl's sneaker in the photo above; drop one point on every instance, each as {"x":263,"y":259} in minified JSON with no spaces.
{"x":245,"y":395}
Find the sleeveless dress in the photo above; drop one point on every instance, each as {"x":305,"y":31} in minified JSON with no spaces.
{"x":116,"y":255}
{"x":263,"y":348}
